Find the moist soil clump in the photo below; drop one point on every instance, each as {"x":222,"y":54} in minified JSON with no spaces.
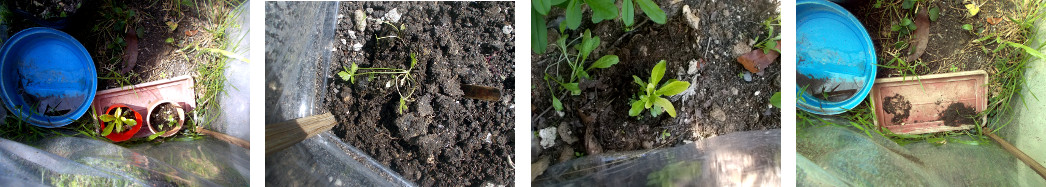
{"x":162,"y":117}
{"x":958,"y":114}
{"x":899,"y":107}
{"x":720,"y":100}
{"x":443,"y":138}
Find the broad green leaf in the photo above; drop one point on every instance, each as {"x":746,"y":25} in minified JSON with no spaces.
{"x":118,"y":126}
{"x":413,"y":61}
{"x":107,"y":130}
{"x":108,"y":118}
{"x":582,"y":73}
{"x":776,"y":100}
{"x":935,"y":13}
{"x":652,"y":10}
{"x":344,"y":75}
{"x":557,"y":2}
{"x":673,"y":88}
{"x":638,"y":81}
{"x":573,"y":14}
{"x":908,"y":4}
{"x":119,"y":112}
{"x":605,"y":62}
{"x":130,"y":122}
{"x":572,"y":87}
{"x":967,"y":27}
{"x":542,"y":6}
{"x":637,"y":107}
{"x":602,"y":10}
{"x":1029,"y":50}
{"x":656,"y":110}
{"x":588,"y":44}
{"x":539,"y":40}
{"x":906,"y":21}
{"x":649,"y":100}
{"x":657,"y":72}
{"x":628,"y":13}
{"x":352,"y":71}
{"x":557,"y":104}
{"x":666,"y":105}
{"x":895,"y":28}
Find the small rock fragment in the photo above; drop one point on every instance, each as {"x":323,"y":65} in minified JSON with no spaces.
{"x":360,"y":20}
{"x":393,"y":16}
{"x":691,"y":17}
{"x":718,"y":115}
{"x":548,"y":137}
{"x":748,"y":76}
{"x":507,"y":29}
{"x":692,"y":69}
{"x":357,"y":47}
{"x":566,"y":134}
{"x":740,"y":48}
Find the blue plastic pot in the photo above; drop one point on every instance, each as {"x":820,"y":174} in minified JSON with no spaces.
{"x":835,"y":58}
{"x":46,"y":77}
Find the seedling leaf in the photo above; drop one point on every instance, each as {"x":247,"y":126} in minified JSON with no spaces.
{"x":776,"y":100}
{"x":572,"y":87}
{"x":573,"y":14}
{"x":967,"y":27}
{"x":666,"y":105}
{"x":588,"y":44}
{"x":539,"y":42}
{"x":628,"y":13}
{"x":935,"y":13}
{"x":652,"y":10}
{"x":344,"y":75}
{"x":605,"y":62}
{"x":673,"y":88}
{"x":657,"y":72}
{"x":637,"y":107}
{"x":542,"y":6}
{"x":557,"y":104}
{"x":602,"y":10}
{"x":639,"y":81}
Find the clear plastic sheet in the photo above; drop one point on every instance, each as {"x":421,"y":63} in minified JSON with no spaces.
{"x":235,"y":104}
{"x":299,"y":38}
{"x":842,"y":156}
{"x":751,"y":158}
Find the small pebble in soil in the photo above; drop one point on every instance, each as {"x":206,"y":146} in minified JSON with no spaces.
{"x":487,"y":139}
{"x":692,"y":69}
{"x":393,"y":16}
{"x":718,"y":114}
{"x":357,"y":47}
{"x":343,"y":41}
{"x":733,"y":90}
{"x":352,"y":35}
{"x":757,"y":93}
{"x":361,"y":20}
{"x":566,"y":134}
{"x":507,"y":29}
{"x":548,"y":137}
{"x":748,"y":76}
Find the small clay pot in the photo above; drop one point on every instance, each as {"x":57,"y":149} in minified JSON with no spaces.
{"x":180,"y":115}
{"x":125,"y":135}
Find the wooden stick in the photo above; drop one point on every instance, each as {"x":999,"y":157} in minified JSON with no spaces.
{"x":281,"y":135}
{"x":1019,"y":154}
{"x":226,"y":138}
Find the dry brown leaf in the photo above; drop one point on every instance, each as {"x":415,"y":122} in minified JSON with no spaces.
{"x":755,"y":61}
{"x":130,"y":53}
{"x":993,"y":20}
{"x":922,"y":36}
{"x":191,"y":32}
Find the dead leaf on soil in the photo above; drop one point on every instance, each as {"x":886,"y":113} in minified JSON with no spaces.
{"x":130,"y":53}
{"x":755,"y":61}
{"x":591,"y":144}
{"x":994,"y":20}
{"x":922,"y":36}
{"x":191,"y":33}
{"x":585,"y":119}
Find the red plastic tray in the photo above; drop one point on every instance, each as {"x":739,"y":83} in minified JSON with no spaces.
{"x":138,"y":97}
{"x":929,"y":101}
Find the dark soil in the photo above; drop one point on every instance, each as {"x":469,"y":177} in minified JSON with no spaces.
{"x":898,"y":106}
{"x":443,"y":138}
{"x":719,"y":100}
{"x":950,"y":48}
{"x":958,"y":114}
{"x":46,"y":10}
{"x":158,"y":118}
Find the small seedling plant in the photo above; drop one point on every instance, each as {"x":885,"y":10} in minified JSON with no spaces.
{"x":170,"y":124}
{"x":403,"y":79}
{"x":601,"y":10}
{"x":117,"y":122}
{"x":577,"y":69}
{"x":650,"y":96}
{"x":770,"y":42}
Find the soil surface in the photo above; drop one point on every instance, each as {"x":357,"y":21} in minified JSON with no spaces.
{"x":158,"y":118}
{"x":719,"y":100}
{"x":898,"y":106}
{"x":958,"y":114}
{"x":442,"y":138}
{"x":950,"y":48}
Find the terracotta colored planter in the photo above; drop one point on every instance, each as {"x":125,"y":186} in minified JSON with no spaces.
{"x":139,"y":97}
{"x":177,"y":108}
{"x":125,"y":135}
{"x":941,"y":102}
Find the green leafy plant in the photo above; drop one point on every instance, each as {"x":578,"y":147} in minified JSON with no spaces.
{"x":770,"y":42}
{"x":650,"y":97}
{"x":577,"y":67}
{"x":601,"y":10}
{"x":117,"y":122}
{"x":401,"y":78}
{"x":776,"y":99}
{"x":397,"y":32}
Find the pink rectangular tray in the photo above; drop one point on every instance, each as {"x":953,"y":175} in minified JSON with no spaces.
{"x":925,"y":103}
{"x":138,"y":97}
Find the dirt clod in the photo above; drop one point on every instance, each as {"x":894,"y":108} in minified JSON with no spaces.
{"x":958,"y":114}
{"x":898,"y":106}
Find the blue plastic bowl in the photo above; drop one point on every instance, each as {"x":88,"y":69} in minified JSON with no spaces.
{"x":46,"y":77}
{"x":835,"y":59}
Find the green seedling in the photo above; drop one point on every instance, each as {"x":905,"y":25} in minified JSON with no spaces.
{"x":770,"y":42}
{"x":601,"y":10}
{"x":578,"y":70}
{"x":651,"y":96}
{"x":776,"y":99}
{"x":117,"y":122}
{"x":400,"y":78}
{"x":398,"y":30}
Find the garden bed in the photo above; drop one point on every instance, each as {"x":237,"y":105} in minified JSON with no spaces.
{"x":720,"y":100}
{"x":442,"y":137}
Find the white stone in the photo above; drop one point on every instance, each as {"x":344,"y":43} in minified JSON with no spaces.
{"x":357,"y":47}
{"x":393,"y":16}
{"x":507,"y":29}
{"x":548,"y":137}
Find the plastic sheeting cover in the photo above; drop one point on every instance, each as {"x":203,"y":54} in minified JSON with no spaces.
{"x":298,"y":41}
{"x":751,"y":158}
{"x":842,"y":156}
